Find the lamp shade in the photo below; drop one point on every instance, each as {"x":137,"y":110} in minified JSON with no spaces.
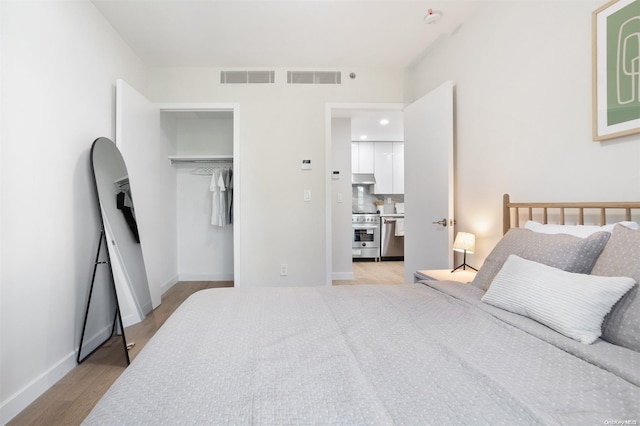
{"x":465,"y":242}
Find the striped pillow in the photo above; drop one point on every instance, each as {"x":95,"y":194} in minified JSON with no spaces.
{"x":572,"y":304}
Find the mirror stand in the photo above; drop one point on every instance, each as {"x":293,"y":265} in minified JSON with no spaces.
{"x":117,"y":320}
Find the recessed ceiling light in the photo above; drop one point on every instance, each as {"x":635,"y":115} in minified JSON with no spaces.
{"x":363,"y":137}
{"x":384,"y":122}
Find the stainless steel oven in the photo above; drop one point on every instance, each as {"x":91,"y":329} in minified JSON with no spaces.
{"x":365,"y":236}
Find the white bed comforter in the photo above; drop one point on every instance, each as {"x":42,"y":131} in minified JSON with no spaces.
{"x":409,"y":354}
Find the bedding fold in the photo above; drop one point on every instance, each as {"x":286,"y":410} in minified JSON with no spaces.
{"x":618,"y":360}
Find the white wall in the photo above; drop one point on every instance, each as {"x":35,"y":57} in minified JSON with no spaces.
{"x":60,"y":61}
{"x":523,"y":113}
{"x":280,"y":126}
{"x":341,"y":210}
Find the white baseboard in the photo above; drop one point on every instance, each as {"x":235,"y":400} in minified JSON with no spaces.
{"x":343,"y":276}
{"x":98,"y":338}
{"x":205,"y":277}
{"x":166,"y":286}
{"x":17,"y":402}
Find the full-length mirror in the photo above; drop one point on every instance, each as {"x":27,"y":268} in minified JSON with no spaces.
{"x":115,"y":197}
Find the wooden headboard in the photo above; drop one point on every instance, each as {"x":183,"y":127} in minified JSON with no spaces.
{"x":512,"y":213}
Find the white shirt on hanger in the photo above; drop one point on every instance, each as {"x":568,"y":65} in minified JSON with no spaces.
{"x":219,"y":200}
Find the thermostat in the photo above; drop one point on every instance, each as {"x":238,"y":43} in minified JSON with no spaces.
{"x":306,"y":165}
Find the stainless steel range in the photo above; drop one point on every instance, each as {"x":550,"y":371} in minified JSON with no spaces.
{"x":365,"y":236}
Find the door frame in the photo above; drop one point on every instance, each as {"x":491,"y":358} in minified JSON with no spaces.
{"x":235,"y":108}
{"x":328,"y":150}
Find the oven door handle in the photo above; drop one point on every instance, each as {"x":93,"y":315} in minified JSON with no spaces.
{"x":365,"y":226}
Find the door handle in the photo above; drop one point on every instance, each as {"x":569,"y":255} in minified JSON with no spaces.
{"x":442,"y":222}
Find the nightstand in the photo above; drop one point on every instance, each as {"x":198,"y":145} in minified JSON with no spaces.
{"x":463,"y":276}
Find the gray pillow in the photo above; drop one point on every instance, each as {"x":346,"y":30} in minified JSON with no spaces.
{"x":621,"y":257}
{"x":562,"y":251}
{"x":572,"y":304}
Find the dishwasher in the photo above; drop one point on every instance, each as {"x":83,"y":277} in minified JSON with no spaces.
{"x":391,"y":242}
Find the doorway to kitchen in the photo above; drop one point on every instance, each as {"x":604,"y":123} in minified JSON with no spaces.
{"x":429,"y":183}
{"x":365,"y":157}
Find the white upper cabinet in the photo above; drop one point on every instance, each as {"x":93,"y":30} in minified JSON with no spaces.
{"x":385,"y":160}
{"x":355,"y":157}
{"x":383,"y":167}
{"x":389,"y":168}
{"x":362,"y":157}
{"x":398,"y":168}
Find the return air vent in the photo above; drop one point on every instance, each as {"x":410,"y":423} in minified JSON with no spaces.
{"x":247,"y":77}
{"x":314,"y":77}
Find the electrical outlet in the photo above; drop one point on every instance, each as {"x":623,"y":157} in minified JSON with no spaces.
{"x":283,"y":269}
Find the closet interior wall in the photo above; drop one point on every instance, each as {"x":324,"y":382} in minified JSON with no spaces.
{"x":205,"y":251}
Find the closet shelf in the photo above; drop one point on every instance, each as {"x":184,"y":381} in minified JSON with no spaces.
{"x":200,"y":158}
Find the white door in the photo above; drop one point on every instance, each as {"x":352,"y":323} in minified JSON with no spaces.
{"x":145,"y":149}
{"x":428,"y":179}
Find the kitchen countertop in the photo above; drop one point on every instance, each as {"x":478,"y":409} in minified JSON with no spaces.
{"x":391,"y":214}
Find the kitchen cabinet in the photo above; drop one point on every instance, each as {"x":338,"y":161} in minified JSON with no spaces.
{"x":398,"y":168}
{"x":389,"y":168}
{"x":362,"y":157}
{"x":383,"y":168}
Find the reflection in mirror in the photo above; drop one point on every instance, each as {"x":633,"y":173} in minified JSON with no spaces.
{"x":121,"y":231}
{"x":129,"y":285}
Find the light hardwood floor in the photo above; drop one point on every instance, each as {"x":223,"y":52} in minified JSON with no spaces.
{"x":70,"y":400}
{"x":391,"y":272}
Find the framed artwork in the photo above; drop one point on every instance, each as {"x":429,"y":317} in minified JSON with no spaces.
{"x":616,"y":69}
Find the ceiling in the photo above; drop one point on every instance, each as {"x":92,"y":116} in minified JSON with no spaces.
{"x":368,"y":126}
{"x":289,"y":33}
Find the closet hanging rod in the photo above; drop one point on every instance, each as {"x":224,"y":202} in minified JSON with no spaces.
{"x":202,"y":159}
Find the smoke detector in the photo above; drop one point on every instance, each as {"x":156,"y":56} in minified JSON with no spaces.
{"x":432,"y":16}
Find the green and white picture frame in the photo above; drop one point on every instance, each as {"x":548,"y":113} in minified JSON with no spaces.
{"x":616,"y":69}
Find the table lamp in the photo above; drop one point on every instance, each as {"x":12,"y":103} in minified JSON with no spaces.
{"x":465,"y":243}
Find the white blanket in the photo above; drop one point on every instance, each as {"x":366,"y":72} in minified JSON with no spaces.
{"x":407,"y":354}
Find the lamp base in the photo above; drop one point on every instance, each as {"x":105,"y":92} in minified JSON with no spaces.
{"x":464,"y":267}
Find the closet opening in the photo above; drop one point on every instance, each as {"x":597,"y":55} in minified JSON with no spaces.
{"x":206,"y":191}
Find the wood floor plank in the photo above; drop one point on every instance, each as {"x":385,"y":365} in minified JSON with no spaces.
{"x":388,"y":272}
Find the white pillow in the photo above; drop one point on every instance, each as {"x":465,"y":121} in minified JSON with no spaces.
{"x":572,"y":304}
{"x":581,"y":231}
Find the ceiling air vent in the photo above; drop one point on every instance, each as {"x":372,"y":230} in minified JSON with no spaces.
{"x":247,"y":77}
{"x":314,"y":77}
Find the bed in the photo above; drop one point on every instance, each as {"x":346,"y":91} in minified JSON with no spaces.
{"x":424,"y":353}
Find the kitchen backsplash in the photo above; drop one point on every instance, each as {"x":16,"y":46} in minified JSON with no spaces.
{"x":363,"y":201}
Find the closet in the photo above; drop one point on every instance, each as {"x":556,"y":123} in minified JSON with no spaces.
{"x":171,"y":150}
{"x":203,"y":160}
